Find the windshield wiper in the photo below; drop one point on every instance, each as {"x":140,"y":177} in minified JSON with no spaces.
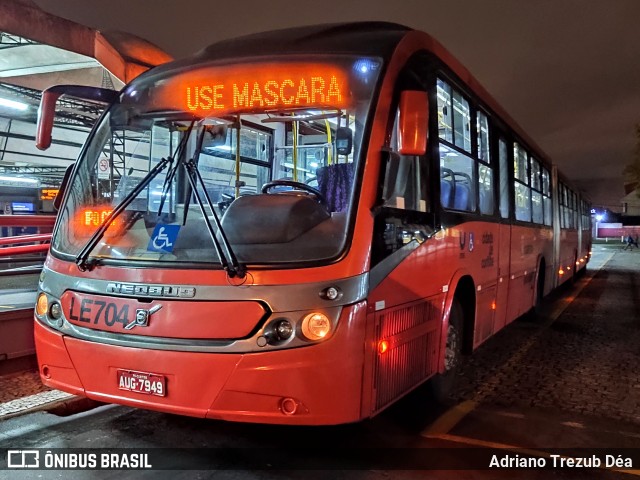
{"x":82,"y":259}
{"x":229,"y":261}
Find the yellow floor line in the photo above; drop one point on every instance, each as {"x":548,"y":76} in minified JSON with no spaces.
{"x":450,"y":418}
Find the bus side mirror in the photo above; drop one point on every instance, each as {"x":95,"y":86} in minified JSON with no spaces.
{"x":63,"y":187}
{"x":344,"y":141}
{"x":47,"y":110}
{"x":413,"y":123}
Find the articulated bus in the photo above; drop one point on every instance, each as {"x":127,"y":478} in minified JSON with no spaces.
{"x":296,"y":227}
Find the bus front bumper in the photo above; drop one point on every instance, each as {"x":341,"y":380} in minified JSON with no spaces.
{"x":316,"y":385}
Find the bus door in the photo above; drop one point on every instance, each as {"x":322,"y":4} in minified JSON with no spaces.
{"x":404,"y":312}
{"x":504,"y":234}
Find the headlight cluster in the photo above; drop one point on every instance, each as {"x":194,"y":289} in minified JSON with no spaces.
{"x":312,"y":327}
{"x":49,"y":311}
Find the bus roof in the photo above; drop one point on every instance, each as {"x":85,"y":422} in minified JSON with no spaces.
{"x":378,"y":39}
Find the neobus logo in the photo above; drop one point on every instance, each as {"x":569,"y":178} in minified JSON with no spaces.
{"x":151,"y":290}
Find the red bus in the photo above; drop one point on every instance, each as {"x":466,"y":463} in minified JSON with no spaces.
{"x":296,"y":227}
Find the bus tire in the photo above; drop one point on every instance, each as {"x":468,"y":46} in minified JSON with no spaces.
{"x":574,"y":270}
{"x":442,"y":385}
{"x":536,"y":309}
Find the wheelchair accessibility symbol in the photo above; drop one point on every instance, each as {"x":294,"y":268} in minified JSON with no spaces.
{"x":163,"y":238}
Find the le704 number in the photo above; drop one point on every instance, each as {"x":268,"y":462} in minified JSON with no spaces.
{"x":94,"y":311}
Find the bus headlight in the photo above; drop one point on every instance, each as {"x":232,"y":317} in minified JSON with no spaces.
{"x":284,"y":329}
{"x":316,"y":326}
{"x":55,"y":315}
{"x":42,"y":304}
{"x":276,"y":333}
{"x":55,"y":311}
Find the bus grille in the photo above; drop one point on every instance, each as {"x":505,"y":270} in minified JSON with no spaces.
{"x":411,"y":335}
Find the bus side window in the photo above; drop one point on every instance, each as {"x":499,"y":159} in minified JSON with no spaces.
{"x":521,"y":183}
{"x":458,"y":182}
{"x":503,"y":155}
{"x":485,"y":172}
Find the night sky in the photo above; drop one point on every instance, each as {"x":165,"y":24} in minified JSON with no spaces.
{"x":568,"y":71}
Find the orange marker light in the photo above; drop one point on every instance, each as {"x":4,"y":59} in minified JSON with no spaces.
{"x":316,"y":326}
{"x":561,"y":271}
{"x":42,"y":305}
{"x":383,"y":346}
{"x":493,"y":305}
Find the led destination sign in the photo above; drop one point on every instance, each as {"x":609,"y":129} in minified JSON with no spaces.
{"x":288,"y":92}
{"x":256,"y":88}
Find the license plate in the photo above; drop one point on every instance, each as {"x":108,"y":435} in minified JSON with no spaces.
{"x":141,"y":382}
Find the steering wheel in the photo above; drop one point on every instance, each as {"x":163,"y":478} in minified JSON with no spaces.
{"x":297,"y":186}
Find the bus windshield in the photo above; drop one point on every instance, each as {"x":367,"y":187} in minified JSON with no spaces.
{"x":274,"y":144}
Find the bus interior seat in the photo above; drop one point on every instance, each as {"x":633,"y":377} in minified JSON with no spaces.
{"x":456,"y":190}
{"x":335,"y":183}
{"x":447,"y":187}
{"x":461,"y":199}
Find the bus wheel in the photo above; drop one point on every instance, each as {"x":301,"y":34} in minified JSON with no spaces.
{"x":537,"y":305}
{"x":442,"y":385}
{"x":574,"y":270}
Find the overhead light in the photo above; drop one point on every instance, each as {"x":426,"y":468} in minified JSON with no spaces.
{"x":18,"y":179}
{"x":226,"y":148}
{"x":11,"y":104}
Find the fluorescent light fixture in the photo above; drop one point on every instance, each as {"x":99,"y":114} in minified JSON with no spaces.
{"x":11,"y":104}
{"x":18,"y":179}
{"x":226,"y":148}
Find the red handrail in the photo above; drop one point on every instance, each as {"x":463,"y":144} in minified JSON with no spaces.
{"x":23,"y":249}
{"x":27,"y":220}
{"x":41,"y":222}
{"x":43,"y":237}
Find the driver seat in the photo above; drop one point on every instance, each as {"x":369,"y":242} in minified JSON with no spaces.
{"x":335,"y":182}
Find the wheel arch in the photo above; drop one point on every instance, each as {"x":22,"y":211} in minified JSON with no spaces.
{"x":461,"y":287}
{"x":541,"y":276}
